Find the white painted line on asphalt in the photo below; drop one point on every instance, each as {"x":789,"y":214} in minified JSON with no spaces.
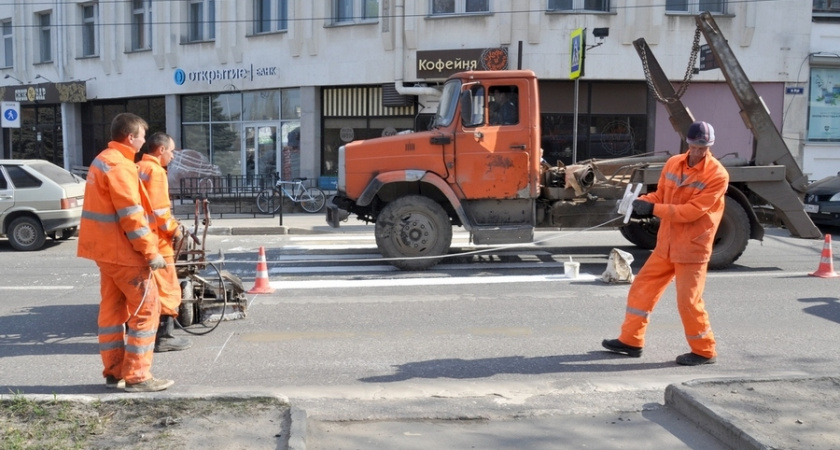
{"x":36,"y":288}
{"x":349,"y":284}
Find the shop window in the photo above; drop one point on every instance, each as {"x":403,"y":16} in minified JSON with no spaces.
{"x":824,"y":105}
{"x":579,"y":5}
{"x":218,"y":125}
{"x":354,"y":113}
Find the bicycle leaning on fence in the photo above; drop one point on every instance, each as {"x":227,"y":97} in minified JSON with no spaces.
{"x":311,"y":199}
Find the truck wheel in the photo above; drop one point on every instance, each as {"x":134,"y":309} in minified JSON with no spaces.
{"x":732,"y":236}
{"x":414,"y":228}
{"x":730,"y":241}
{"x":641,"y":234}
{"x":26,"y":234}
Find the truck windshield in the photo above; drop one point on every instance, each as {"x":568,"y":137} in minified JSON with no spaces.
{"x":448,"y":103}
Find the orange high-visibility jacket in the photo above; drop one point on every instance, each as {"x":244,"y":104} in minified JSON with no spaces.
{"x":114,"y":227}
{"x":689,"y":202}
{"x":153,"y":177}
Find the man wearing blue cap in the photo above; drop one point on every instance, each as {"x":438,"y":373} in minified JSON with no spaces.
{"x":689,"y":202}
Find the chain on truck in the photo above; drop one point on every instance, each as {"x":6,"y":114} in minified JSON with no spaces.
{"x":473,"y":170}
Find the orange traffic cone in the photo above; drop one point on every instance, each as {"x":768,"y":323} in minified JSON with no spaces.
{"x":826,"y":268}
{"x":261,"y":285}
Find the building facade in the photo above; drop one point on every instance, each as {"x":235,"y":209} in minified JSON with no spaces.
{"x":264,"y":86}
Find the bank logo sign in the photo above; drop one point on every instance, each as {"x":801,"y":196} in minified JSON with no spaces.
{"x":210,"y":76}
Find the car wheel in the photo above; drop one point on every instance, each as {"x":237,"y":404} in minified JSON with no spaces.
{"x":26,"y":234}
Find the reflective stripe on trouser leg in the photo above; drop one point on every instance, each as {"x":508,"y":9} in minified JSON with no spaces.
{"x":690,"y":281}
{"x":647,"y":288}
{"x":111,"y":322}
{"x":131,"y":283}
{"x":169,"y":288}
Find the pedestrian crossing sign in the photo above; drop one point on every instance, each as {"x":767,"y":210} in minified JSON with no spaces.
{"x":576,"y":52}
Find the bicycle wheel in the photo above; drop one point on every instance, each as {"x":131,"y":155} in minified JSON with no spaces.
{"x":312,"y":199}
{"x":269,"y":201}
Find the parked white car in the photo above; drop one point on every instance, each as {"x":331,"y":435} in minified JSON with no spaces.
{"x":38,"y":199}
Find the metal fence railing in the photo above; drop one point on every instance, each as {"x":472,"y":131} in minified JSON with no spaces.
{"x":227,"y":193}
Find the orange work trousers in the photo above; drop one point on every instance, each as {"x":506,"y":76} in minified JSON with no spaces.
{"x":169,"y":288}
{"x":648,"y":287}
{"x":129,"y":300}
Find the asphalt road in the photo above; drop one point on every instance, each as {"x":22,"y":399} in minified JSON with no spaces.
{"x":497,"y":334}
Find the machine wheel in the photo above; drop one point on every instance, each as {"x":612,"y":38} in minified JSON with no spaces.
{"x":415,"y":229}
{"x":730,"y":241}
{"x":186,"y":310}
{"x":732,"y":236}
{"x":26,"y":234}
{"x":269,"y":201}
{"x":312,"y":200}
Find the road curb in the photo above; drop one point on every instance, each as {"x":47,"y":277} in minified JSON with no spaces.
{"x":297,"y":428}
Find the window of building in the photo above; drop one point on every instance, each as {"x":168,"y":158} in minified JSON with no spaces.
{"x":579,"y":5}
{"x":695,"y":6}
{"x":89,"y":29}
{"x":354,"y":113}
{"x":45,"y":37}
{"x":270,"y":16}
{"x":612,"y":121}
{"x":227,"y":127}
{"x":460,"y":6}
{"x":98,"y":114}
{"x":39,"y":135}
{"x":141,"y":24}
{"x":824,"y":105}
{"x":354,"y":11}
{"x":202,"y":20}
{"x":8,"y":44}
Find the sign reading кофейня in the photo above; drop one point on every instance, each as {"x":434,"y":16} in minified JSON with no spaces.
{"x":443,"y":63}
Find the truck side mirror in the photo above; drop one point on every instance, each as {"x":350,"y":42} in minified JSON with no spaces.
{"x":472,"y":115}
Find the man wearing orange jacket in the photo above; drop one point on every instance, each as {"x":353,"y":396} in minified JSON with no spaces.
{"x":689,"y":201}
{"x":159,"y":153}
{"x":115,"y":233}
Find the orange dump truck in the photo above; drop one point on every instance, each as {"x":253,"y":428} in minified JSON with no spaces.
{"x":480,"y":167}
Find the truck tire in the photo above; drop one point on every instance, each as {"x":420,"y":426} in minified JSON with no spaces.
{"x":730,"y":241}
{"x":732,"y":236}
{"x":414,"y":229}
{"x":641,"y":234}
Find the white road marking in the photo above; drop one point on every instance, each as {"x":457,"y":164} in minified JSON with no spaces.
{"x":436,"y":281}
{"x":36,"y":288}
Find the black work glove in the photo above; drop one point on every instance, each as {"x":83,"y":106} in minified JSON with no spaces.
{"x":643,"y":208}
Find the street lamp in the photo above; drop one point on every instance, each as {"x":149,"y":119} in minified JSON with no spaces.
{"x":43,"y":78}
{"x":10,"y":76}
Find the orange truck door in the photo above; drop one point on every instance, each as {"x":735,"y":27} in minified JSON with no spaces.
{"x":491,"y":146}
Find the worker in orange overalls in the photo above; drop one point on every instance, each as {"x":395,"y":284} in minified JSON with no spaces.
{"x":689,"y":201}
{"x":159,"y":152}
{"x":115,"y":233}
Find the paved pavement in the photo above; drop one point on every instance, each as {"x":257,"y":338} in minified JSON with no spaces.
{"x":740,"y":413}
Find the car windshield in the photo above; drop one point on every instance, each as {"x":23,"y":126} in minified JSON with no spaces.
{"x":54,"y":173}
{"x":448,"y":103}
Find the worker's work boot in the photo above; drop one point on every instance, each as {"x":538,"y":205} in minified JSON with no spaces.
{"x":165,"y":341}
{"x":150,"y":385}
